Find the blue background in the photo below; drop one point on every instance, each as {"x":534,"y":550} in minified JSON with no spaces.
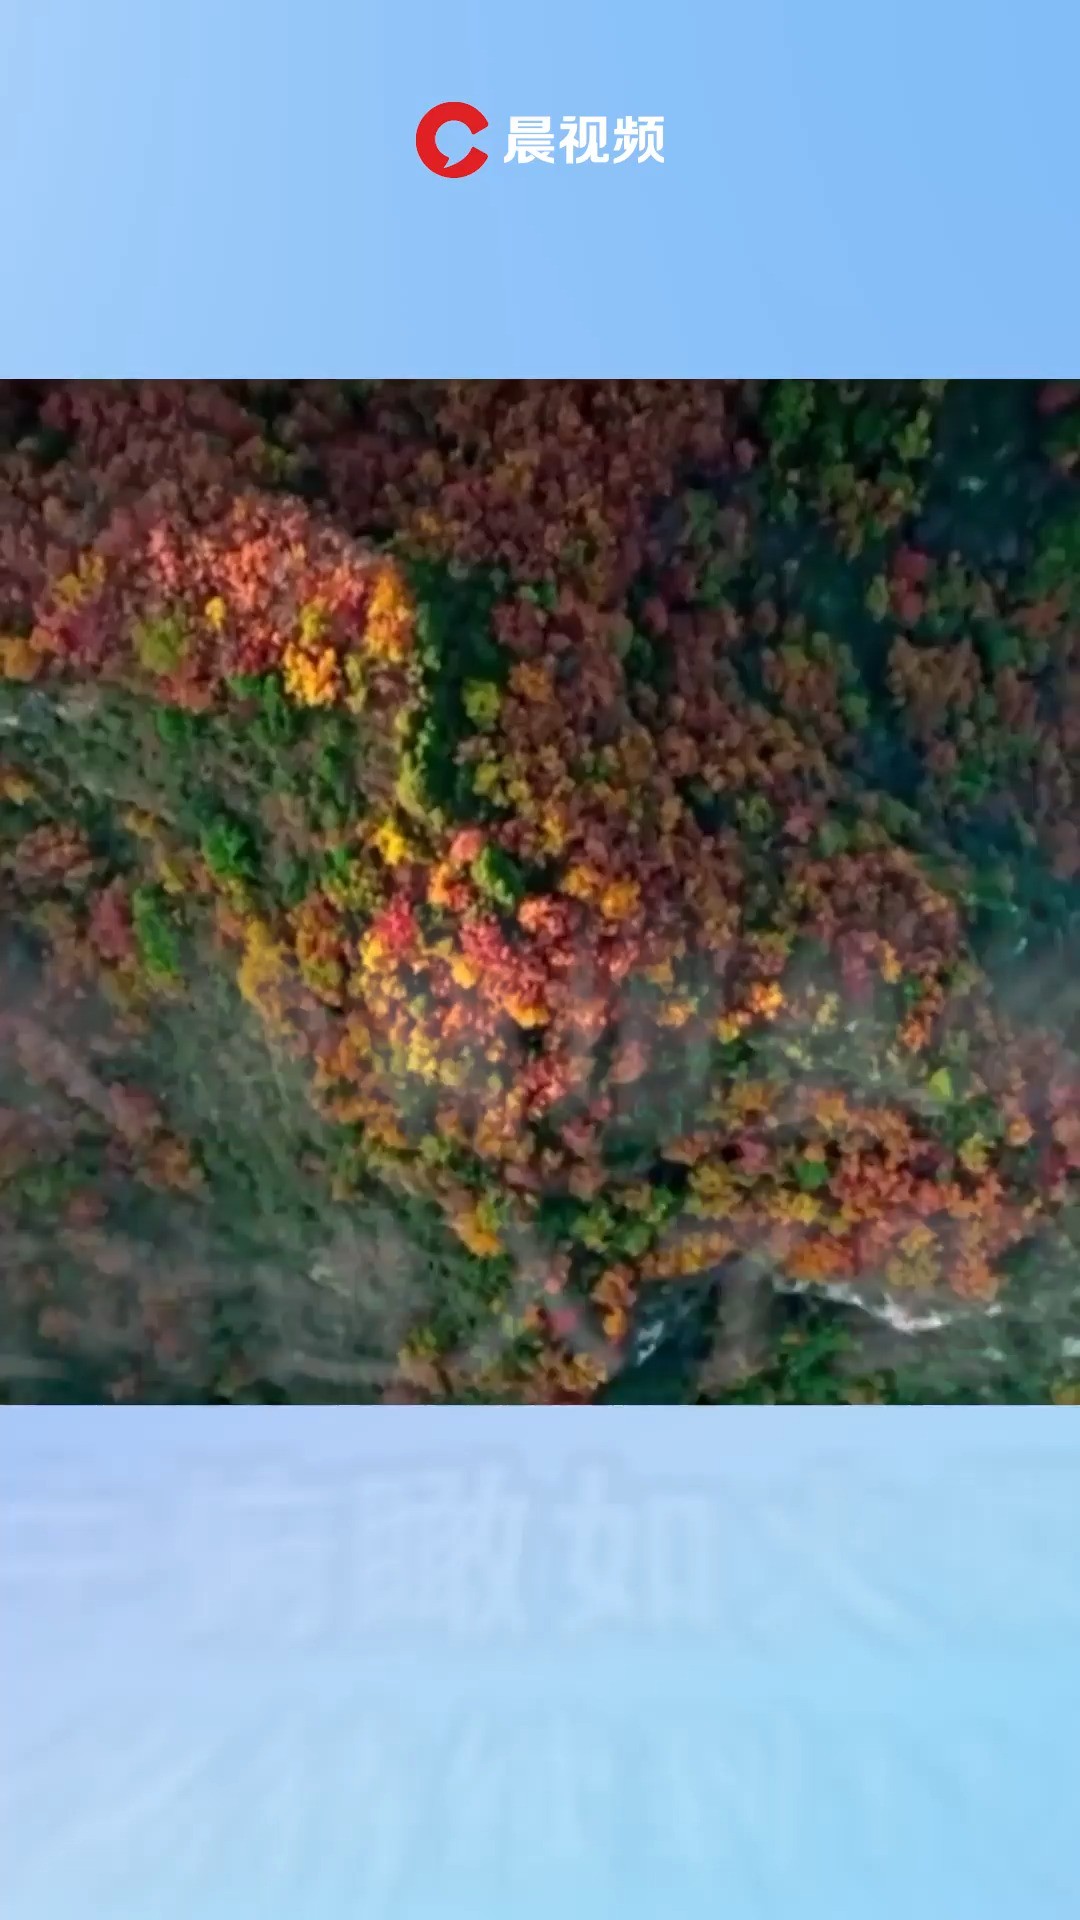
{"x":230,"y":1689}
{"x":231,"y":188}
{"x":216,"y":1702}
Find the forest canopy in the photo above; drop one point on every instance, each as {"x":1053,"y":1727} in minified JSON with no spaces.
{"x":483,"y":865}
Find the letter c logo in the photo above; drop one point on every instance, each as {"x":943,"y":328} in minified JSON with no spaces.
{"x":432,"y":154}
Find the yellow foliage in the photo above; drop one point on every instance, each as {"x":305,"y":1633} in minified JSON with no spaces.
{"x":356,"y":696}
{"x":660,"y":975}
{"x":531,"y":680}
{"x":765,"y":999}
{"x":620,"y":899}
{"x":388,"y":630}
{"x":552,"y":831}
{"x":16,"y":787}
{"x":486,"y":777}
{"x":730,"y":1025}
{"x":973,"y":1154}
{"x":312,"y":680}
{"x":19,"y":659}
{"x":581,"y":882}
{"x":475,"y":1233}
{"x":262,"y":972}
{"x":393,"y":845}
{"x":89,"y":577}
{"x":171,"y":874}
{"x":527,"y":1013}
{"x":676,"y":1013}
{"x":313,"y":626}
{"x":482,"y":700}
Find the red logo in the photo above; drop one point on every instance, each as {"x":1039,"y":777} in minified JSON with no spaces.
{"x":432,"y":155}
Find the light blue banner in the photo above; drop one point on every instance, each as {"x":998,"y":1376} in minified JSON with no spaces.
{"x":225,"y":188}
{"x":284,"y":1662}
